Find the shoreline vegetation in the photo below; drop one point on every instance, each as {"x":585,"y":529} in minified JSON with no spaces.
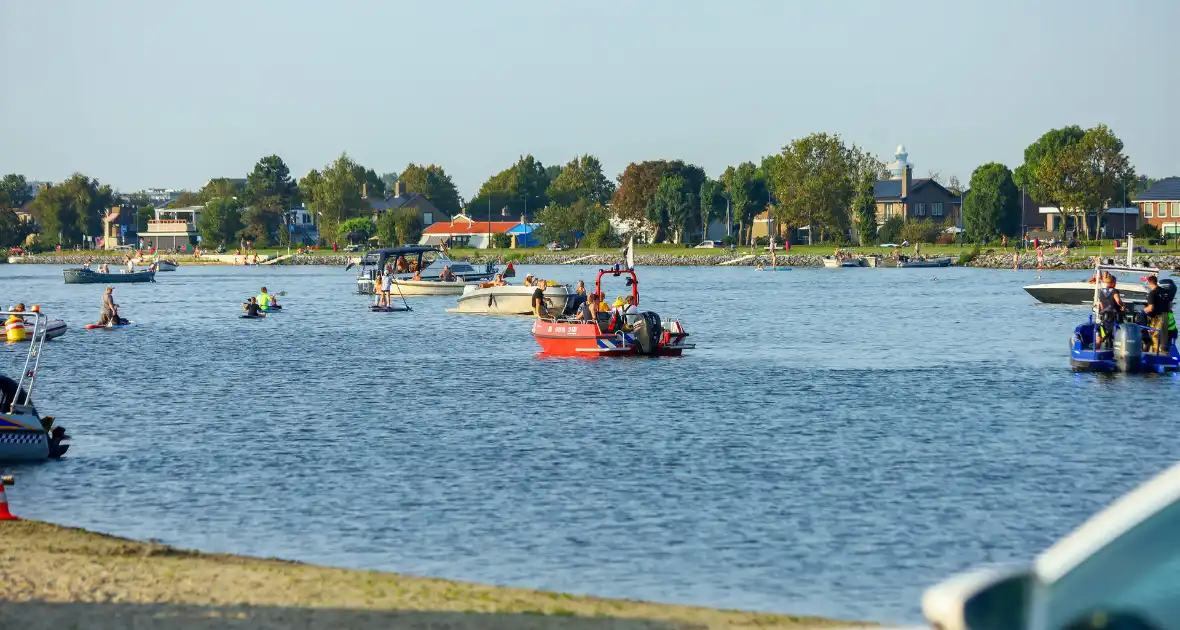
{"x":665,"y":256}
{"x":61,"y":577}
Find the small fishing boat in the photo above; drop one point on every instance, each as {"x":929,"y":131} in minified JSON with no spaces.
{"x":642,"y":333}
{"x":917,"y":263}
{"x":83,"y":275}
{"x":425,"y":261}
{"x":24,"y":434}
{"x":1125,"y":350}
{"x":512,"y":299}
{"x":835,"y":262}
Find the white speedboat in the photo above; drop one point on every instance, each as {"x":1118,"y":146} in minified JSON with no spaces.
{"x":160,"y":263}
{"x":513,"y":299}
{"x":1081,"y":292}
{"x":427,"y":262}
{"x":24,"y":434}
{"x":833,"y":262}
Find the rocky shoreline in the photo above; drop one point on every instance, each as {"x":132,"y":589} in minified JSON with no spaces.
{"x":990,"y":259}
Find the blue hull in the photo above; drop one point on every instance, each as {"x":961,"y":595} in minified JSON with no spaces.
{"x":1084,"y":357}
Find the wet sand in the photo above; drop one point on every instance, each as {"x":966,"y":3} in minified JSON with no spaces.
{"x":54,"y":577}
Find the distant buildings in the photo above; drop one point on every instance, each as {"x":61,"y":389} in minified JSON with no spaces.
{"x":913,"y":199}
{"x":1160,"y":206}
{"x":463,"y":231}
{"x":403,"y":199}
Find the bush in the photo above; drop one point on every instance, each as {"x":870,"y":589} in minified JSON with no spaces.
{"x":945,"y":239}
{"x":602,"y":237}
{"x":1147,"y":230}
{"x":728,"y":241}
{"x":761,"y":241}
{"x":924,"y":231}
{"x":890,"y":231}
{"x":501,"y":240}
{"x":965,"y":258}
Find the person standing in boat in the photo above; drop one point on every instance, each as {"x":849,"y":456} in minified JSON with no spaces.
{"x":1110,"y":306}
{"x":539,"y":301}
{"x":1157,"y":315}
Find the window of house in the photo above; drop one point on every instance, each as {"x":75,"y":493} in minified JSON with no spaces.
{"x":1148,"y":210}
{"x":1175,"y":209}
{"x":936,"y":209}
{"x":427,"y":218}
{"x":920,"y":209}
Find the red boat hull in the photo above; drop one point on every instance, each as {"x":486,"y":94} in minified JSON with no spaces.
{"x":571,"y":339}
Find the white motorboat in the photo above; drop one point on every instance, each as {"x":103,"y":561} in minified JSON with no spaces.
{"x":160,"y":263}
{"x":1081,"y":292}
{"x":832,"y":262}
{"x":512,"y":299}
{"x":24,"y":434}
{"x":426,"y":262}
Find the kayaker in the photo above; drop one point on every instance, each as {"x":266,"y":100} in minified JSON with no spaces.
{"x":265,"y":300}
{"x":251,"y":308}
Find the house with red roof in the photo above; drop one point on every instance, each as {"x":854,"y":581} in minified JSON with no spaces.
{"x":463,"y":231}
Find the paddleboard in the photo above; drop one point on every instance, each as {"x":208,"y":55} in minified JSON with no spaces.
{"x":97,"y":327}
{"x":388,"y":309}
{"x":251,"y":316}
{"x":773,"y":269}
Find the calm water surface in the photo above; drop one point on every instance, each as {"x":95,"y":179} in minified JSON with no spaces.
{"x":840,"y":440}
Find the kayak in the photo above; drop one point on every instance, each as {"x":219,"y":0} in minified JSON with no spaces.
{"x":251,"y":316}
{"x":97,"y":327}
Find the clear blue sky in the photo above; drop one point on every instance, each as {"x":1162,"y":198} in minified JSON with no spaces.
{"x":152,"y":93}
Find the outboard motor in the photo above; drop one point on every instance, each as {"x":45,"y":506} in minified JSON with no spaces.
{"x":1167,"y":290}
{"x":1128,"y":347}
{"x":648,"y":334}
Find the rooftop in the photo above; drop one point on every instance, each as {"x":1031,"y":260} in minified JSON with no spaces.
{"x":1167,"y":189}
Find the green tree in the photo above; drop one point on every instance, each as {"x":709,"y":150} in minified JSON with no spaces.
{"x":399,"y":227}
{"x":14,"y":191}
{"x":672,"y":206}
{"x":638,"y":184}
{"x":813,"y":181}
{"x":1053,"y":141}
{"x":335,"y":194}
{"x":186,"y":199}
{"x":221,"y":187}
{"x":712,"y":204}
{"x":993,"y":207}
{"x":357,"y":229}
{"x":433,"y":183}
{"x":581,"y":179}
{"x":924,"y":231}
{"x":389,"y":179}
{"x":269,"y":193}
{"x":890,"y":231}
{"x":72,"y":209}
{"x":747,"y":194}
{"x":570,"y":224}
{"x":519,"y":188}
{"x":12,"y":230}
{"x":143,"y":214}
{"x":221,"y":221}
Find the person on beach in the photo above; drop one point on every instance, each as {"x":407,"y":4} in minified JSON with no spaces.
{"x":1015,"y":261}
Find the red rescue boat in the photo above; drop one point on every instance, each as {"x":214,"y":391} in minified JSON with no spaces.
{"x":640,"y":333}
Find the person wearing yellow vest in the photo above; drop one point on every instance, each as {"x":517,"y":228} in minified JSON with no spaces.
{"x":266,"y":301}
{"x":14,"y":326}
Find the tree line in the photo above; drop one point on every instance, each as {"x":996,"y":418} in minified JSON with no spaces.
{"x":819,"y":181}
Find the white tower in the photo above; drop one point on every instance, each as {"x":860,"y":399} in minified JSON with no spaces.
{"x":900,"y":162}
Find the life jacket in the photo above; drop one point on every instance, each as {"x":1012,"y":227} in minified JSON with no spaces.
{"x":1106,"y":303}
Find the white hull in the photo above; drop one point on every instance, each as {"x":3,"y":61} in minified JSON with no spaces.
{"x":427,"y":287}
{"x":833,"y":263}
{"x":508,"y":300}
{"x":1080,"y":292}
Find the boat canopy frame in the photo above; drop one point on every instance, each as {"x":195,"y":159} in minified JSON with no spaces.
{"x":634,"y":281}
{"x":28,"y":376}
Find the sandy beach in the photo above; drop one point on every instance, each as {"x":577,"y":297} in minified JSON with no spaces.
{"x":55,"y":577}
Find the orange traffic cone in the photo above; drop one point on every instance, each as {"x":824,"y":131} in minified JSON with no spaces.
{"x":5,"y":515}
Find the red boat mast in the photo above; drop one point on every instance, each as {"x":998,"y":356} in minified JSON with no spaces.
{"x":618,"y":272}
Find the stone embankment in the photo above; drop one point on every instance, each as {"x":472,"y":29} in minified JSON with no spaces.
{"x":989,"y":259}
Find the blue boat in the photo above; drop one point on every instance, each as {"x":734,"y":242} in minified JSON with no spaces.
{"x":1125,"y":350}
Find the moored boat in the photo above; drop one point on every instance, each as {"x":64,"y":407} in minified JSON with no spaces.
{"x":640,"y":334}
{"x":512,"y":299}
{"x":915,"y":263}
{"x":834,"y":262}
{"x":89,"y":276}
{"x":24,"y":434}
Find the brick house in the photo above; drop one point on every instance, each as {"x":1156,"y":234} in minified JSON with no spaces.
{"x":1160,"y":206}
{"x":915,"y":199}
{"x":402,"y":199}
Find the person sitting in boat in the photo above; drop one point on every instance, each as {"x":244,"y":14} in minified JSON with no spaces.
{"x":1110,"y":306}
{"x":447,"y":275}
{"x":528,"y":280}
{"x":130,"y":264}
{"x":401,"y":265}
{"x":588,"y":311}
{"x":580,"y":289}
{"x":251,"y":308}
{"x":499,"y":281}
{"x":267,"y":301}
{"x":603,"y":305}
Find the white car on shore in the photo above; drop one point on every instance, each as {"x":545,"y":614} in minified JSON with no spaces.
{"x":1119,"y":571}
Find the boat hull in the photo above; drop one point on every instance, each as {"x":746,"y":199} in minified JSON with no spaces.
{"x":575,"y":339}
{"x":918,"y":264}
{"x":81,"y":276}
{"x":1078,"y":293}
{"x":22,"y":438}
{"x":427,"y":287}
{"x":508,"y":300}
{"x":1085,"y":357}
